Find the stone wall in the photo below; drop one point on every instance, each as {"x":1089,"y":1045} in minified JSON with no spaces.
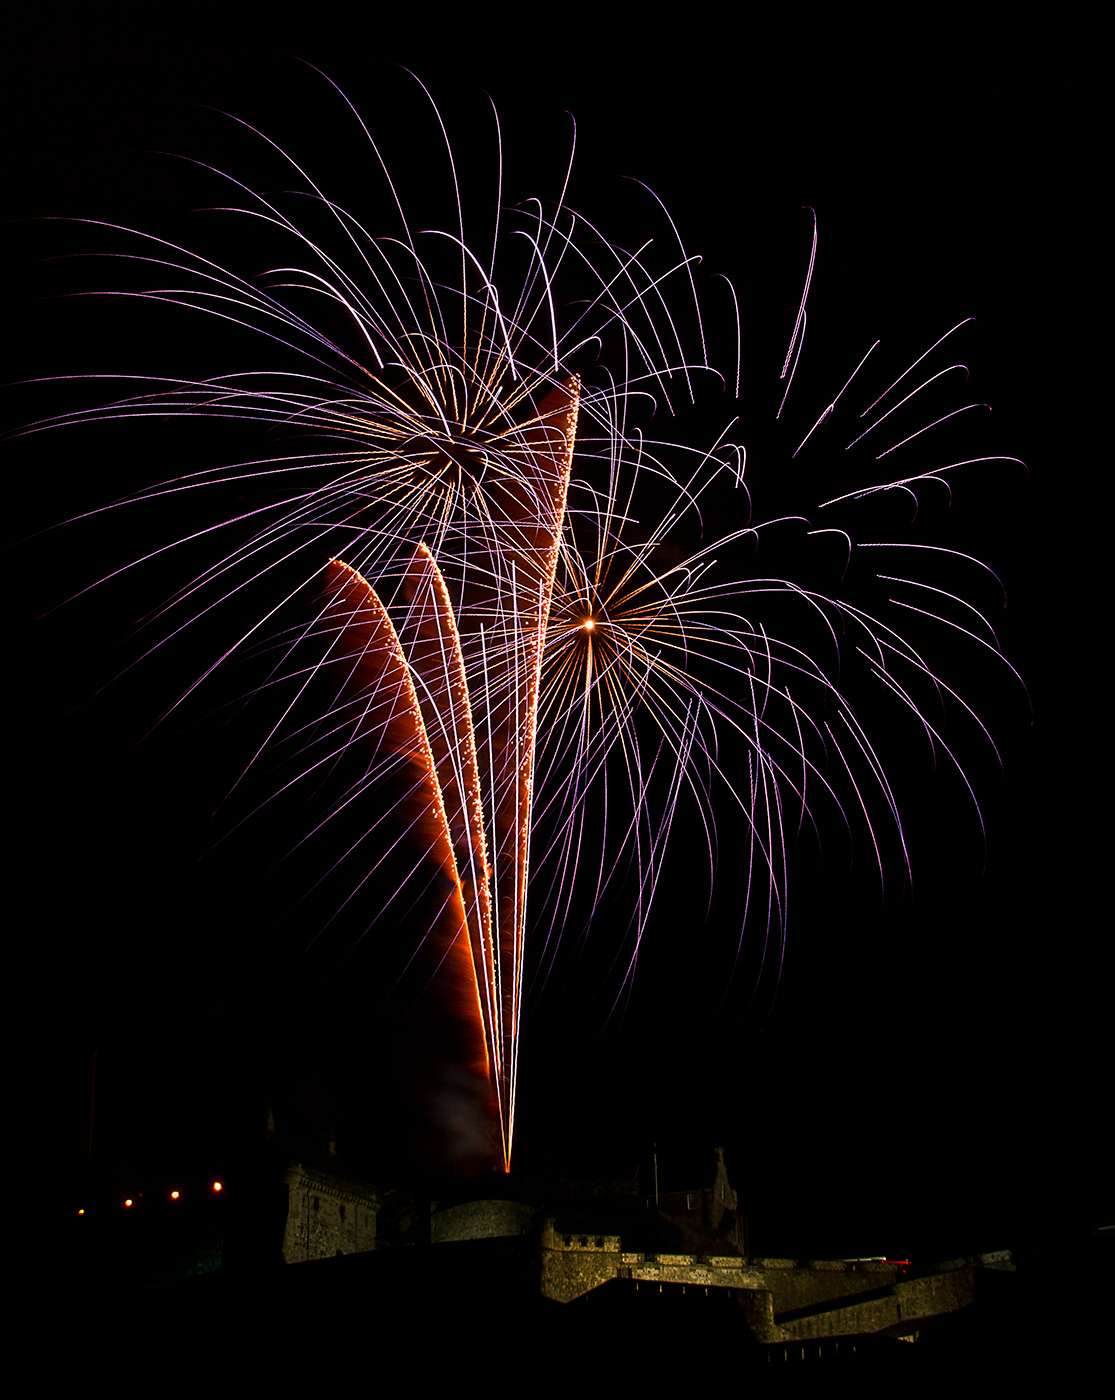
{"x":575,"y":1264}
{"x":804,"y":1283}
{"x":481,"y":1220}
{"x":785,"y":1300}
{"x":897,"y":1310}
{"x":327,"y":1216}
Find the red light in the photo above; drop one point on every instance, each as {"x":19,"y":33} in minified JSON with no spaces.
{"x":128,"y":1201}
{"x":217,"y":1186}
{"x":81,"y":1210}
{"x":174,"y":1195}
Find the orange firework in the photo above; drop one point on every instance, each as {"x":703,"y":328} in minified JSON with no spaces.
{"x":505,"y":609}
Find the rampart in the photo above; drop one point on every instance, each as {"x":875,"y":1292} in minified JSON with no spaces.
{"x":786,"y":1300}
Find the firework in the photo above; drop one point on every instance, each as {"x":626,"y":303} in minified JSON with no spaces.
{"x":483,"y":584}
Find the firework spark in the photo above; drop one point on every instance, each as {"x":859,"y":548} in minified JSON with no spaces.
{"x":523,"y":605}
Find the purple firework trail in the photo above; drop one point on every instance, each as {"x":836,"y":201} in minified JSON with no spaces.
{"x":481,"y":547}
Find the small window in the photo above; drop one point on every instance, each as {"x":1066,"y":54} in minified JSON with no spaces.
{"x":342,"y":1210}
{"x":317,"y":1204}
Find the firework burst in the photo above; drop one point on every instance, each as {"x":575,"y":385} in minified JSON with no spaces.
{"x":483,"y":584}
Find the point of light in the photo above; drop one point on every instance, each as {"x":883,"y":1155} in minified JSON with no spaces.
{"x":217,"y":1186}
{"x":128,"y":1202}
{"x":588,"y":624}
{"x":174,"y":1195}
{"x":81,"y":1210}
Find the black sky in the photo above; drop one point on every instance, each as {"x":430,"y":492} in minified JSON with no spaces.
{"x":930,"y":1061}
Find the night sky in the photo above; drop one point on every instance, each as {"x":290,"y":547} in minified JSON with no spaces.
{"x":928,"y":1075}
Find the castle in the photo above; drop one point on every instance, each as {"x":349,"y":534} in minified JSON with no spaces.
{"x":569,"y":1256}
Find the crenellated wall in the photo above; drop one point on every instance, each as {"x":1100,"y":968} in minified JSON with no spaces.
{"x":575,"y":1264}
